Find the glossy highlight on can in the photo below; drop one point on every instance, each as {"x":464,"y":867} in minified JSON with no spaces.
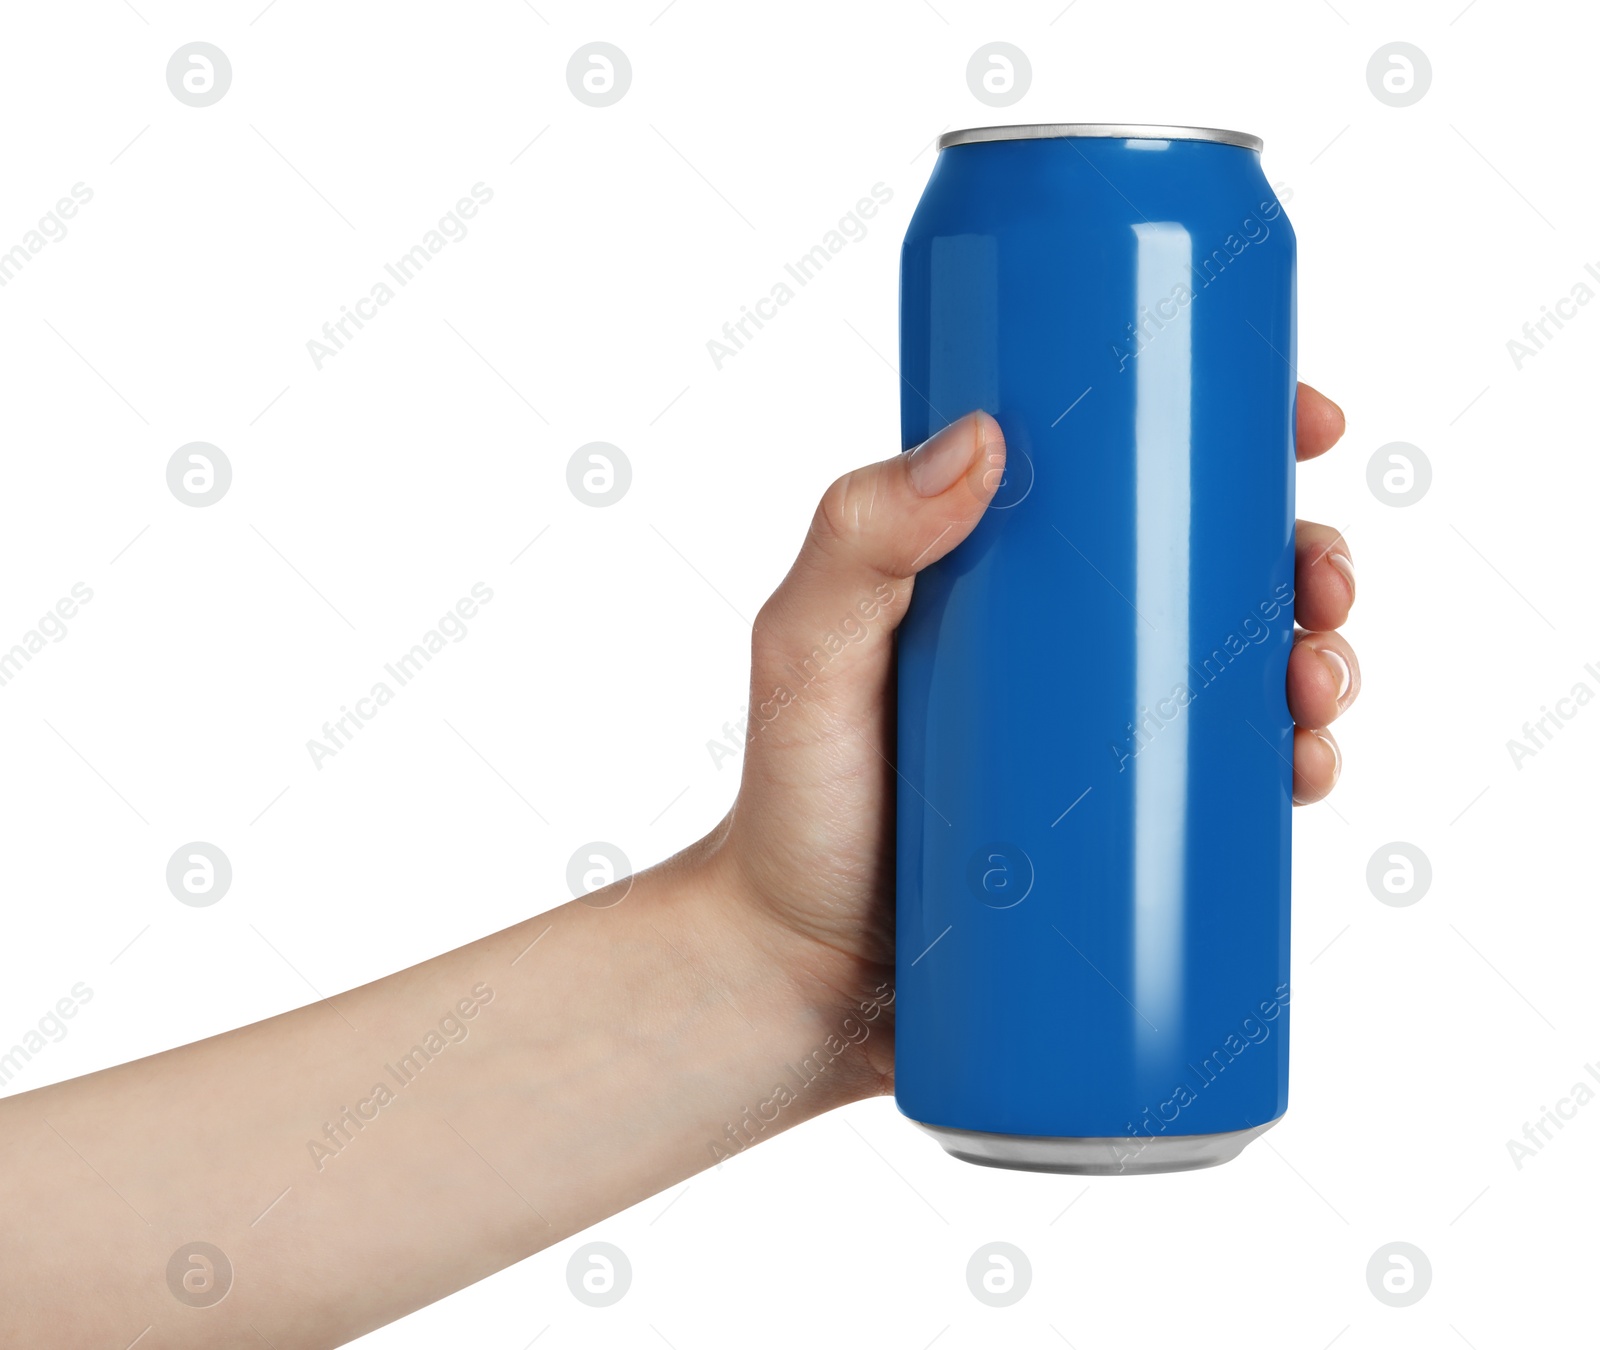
{"x":1094,"y":746}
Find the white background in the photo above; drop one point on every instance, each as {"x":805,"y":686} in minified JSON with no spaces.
{"x":369,"y":496}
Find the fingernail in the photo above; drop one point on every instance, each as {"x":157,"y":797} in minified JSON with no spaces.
{"x":1344,"y":677}
{"x":1338,"y":765}
{"x":1338,"y":759}
{"x":941,"y":459}
{"x":1340,"y":562}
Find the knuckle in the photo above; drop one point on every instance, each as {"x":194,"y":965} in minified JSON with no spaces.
{"x":768,"y":634}
{"x":838,"y":520}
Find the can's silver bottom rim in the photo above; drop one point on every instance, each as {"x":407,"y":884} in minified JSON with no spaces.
{"x":1110,"y":1157}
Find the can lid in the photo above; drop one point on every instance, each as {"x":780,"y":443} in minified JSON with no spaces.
{"x":1122,"y":131}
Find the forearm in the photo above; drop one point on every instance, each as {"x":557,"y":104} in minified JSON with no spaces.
{"x":360,"y":1157}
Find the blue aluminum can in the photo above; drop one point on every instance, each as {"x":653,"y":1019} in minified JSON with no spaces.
{"x":1094,"y":744}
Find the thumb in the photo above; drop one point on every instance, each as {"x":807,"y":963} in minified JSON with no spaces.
{"x":875,"y":529}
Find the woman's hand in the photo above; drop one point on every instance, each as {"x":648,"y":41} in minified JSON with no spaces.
{"x":811,"y":837}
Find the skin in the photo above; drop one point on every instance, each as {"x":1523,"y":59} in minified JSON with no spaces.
{"x":583,"y":1060}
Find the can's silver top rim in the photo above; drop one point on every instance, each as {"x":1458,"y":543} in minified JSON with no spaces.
{"x":1122,"y":131}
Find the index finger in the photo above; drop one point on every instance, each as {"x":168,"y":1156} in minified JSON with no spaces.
{"x":1319,"y":423}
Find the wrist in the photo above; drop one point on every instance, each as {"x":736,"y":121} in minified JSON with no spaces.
{"x":824,"y":1023}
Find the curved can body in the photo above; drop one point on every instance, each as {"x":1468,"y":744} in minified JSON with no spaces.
{"x":1094,"y":744}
